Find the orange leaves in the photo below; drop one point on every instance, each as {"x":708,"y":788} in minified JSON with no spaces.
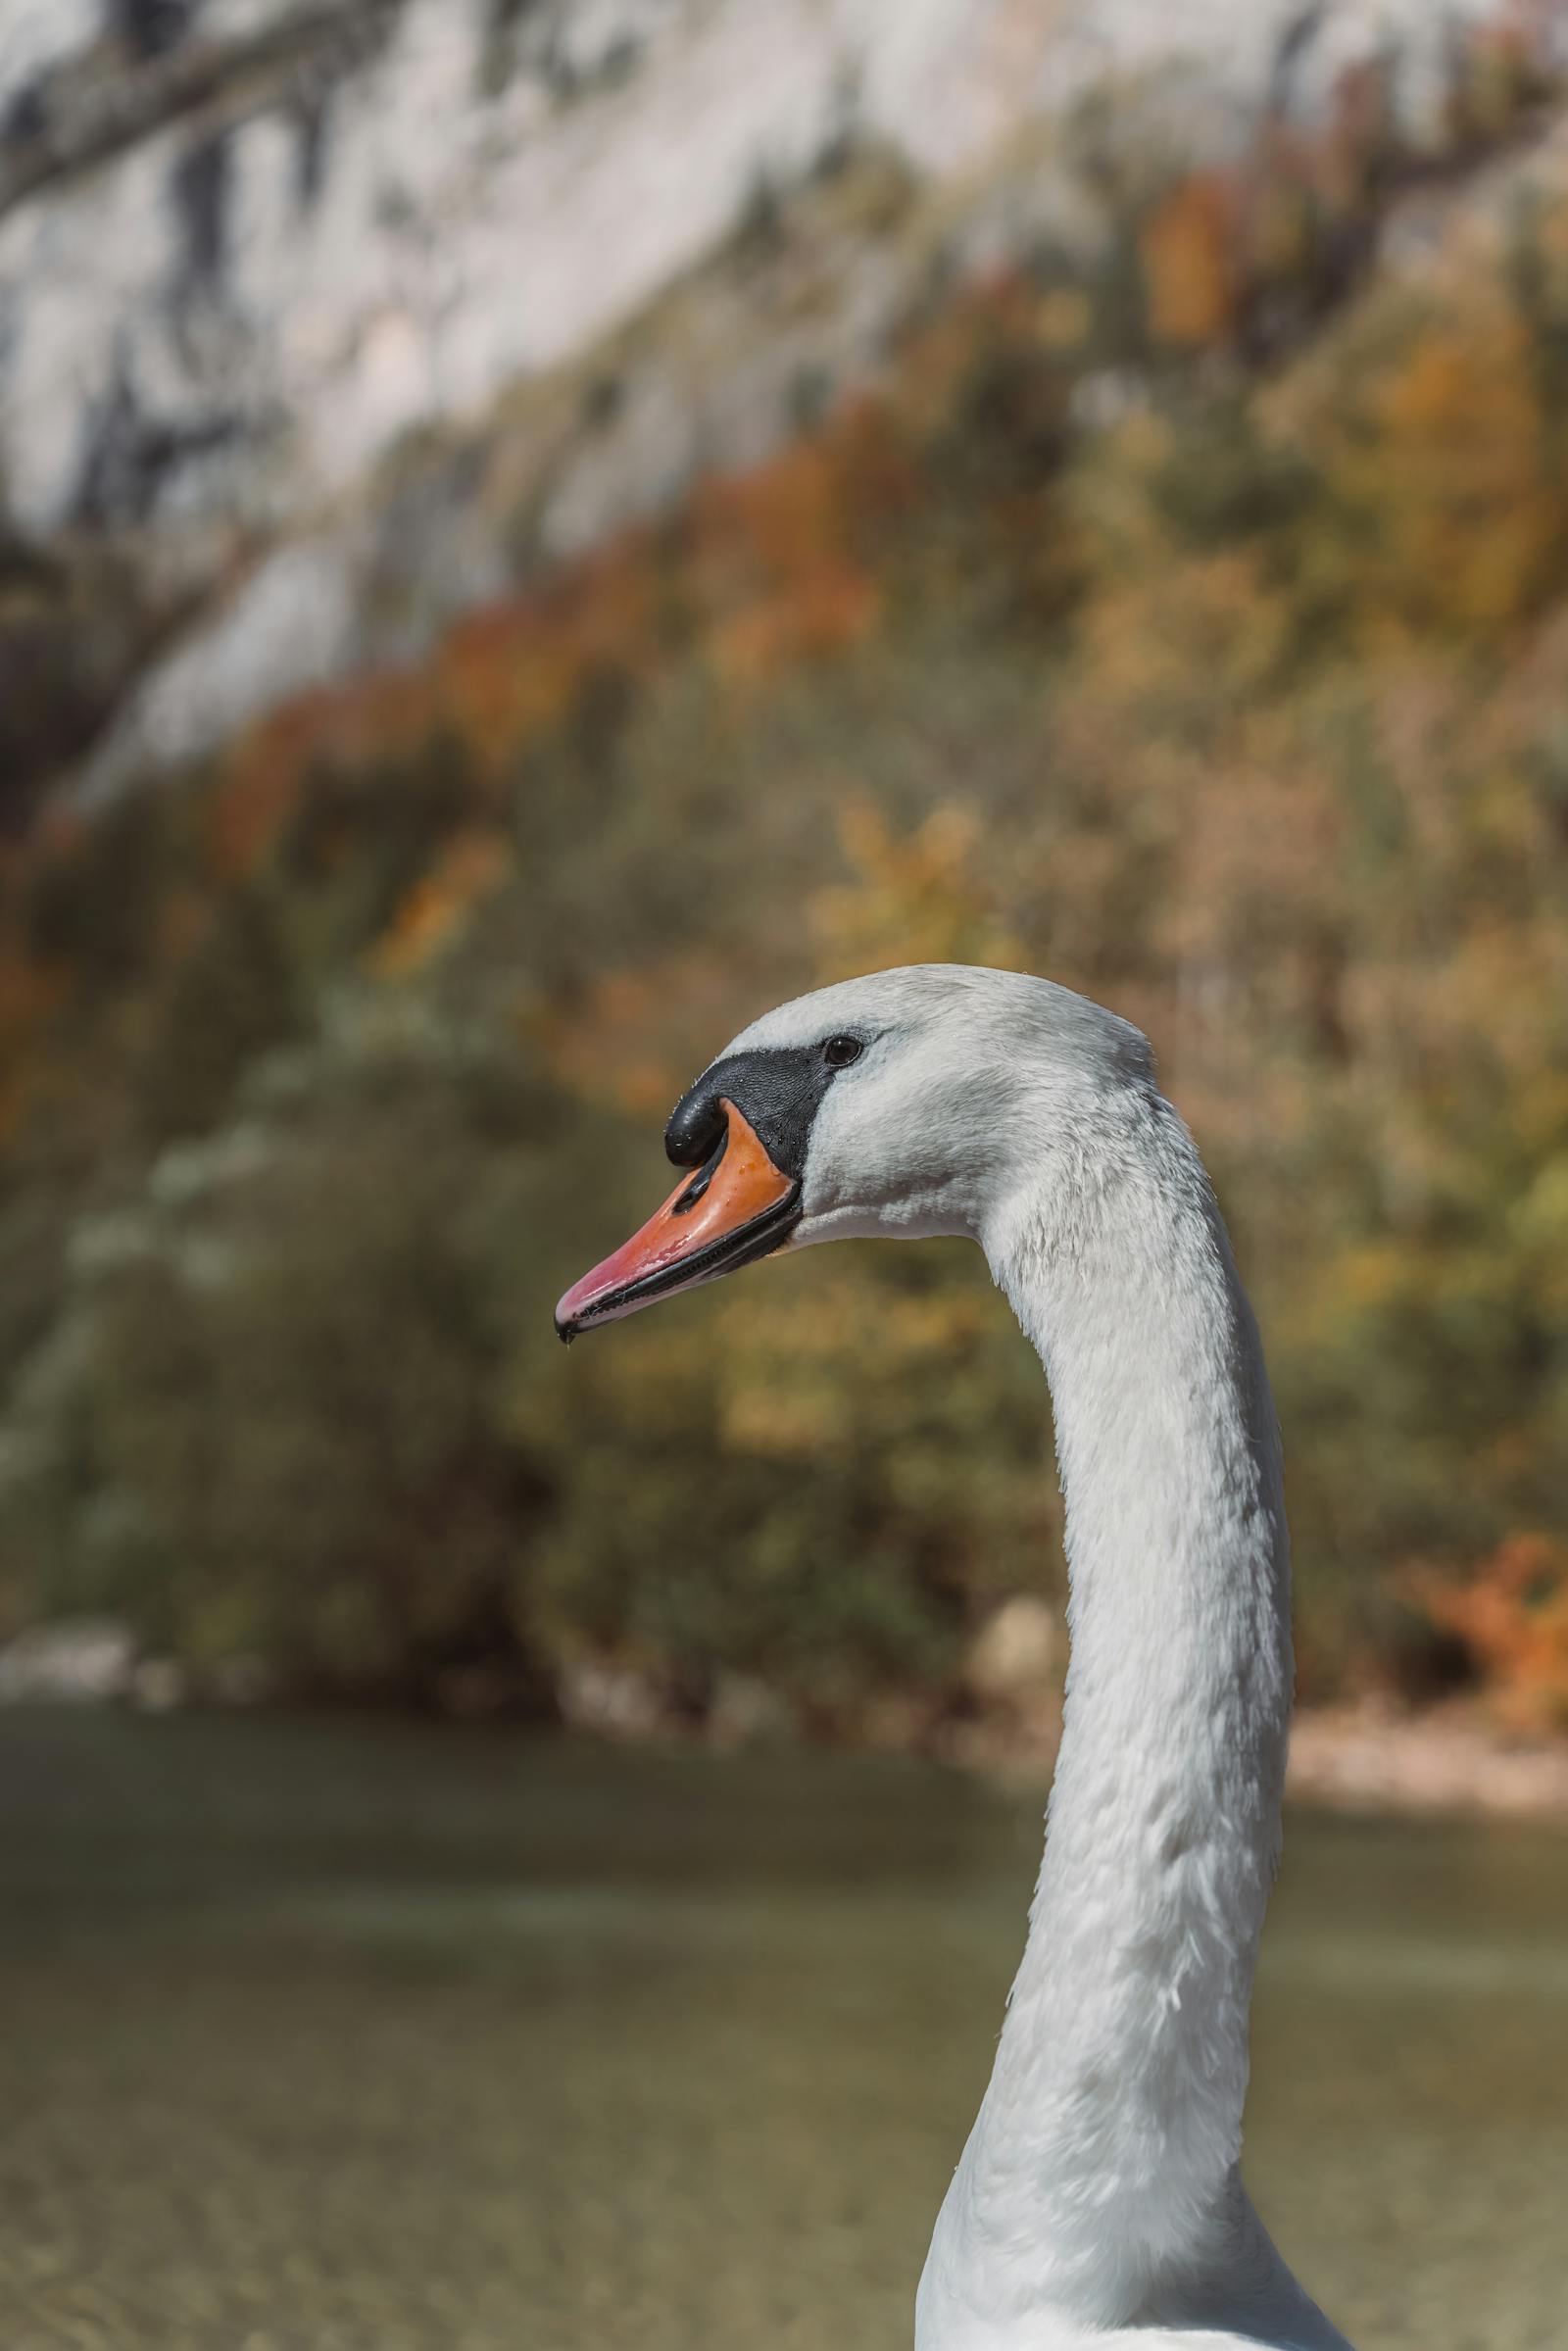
{"x":505,"y":676}
{"x":774,"y":553}
{"x":1188,"y":248}
{"x":1512,"y":1616}
{"x":1262,"y":244}
{"x":823,"y":612}
{"x":429,"y":915}
{"x":509,"y":673}
{"x":255,"y":797}
{"x":767,"y":570}
{"x":1460,"y":428}
{"x":268,"y":771}
{"x":28,"y":995}
{"x":501,"y":678}
{"x":774,"y":525}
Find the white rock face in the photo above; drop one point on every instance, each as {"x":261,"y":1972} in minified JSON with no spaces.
{"x":289,"y":626}
{"x":81,"y":1661}
{"x":35,"y":34}
{"x":237,"y":314}
{"x":259,"y":302}
{"x":248,"y":245}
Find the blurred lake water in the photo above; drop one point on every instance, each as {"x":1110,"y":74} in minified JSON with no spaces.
{"x":327,"y":2035}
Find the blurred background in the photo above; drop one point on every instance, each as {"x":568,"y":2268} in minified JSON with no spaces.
{"x":529,"y":531}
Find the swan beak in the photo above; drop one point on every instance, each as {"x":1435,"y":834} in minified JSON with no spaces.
{"x":734,"y":1209}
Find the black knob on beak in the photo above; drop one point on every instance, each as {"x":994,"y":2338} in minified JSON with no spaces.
{"x":697,"y":1126}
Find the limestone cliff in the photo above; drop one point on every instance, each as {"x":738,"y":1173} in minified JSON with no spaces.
{"x":282,"y":281}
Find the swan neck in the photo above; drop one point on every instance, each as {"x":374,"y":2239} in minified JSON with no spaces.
{"x":1104,"y":2159}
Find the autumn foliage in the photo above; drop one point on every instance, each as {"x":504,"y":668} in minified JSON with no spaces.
{"x":1512,"y":1616}
{"x":1239,"y":699}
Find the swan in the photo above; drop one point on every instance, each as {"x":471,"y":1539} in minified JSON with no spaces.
{"x":1098,"y":2201}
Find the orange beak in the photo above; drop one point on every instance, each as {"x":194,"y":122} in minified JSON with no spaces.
{"x":737,"y":1207}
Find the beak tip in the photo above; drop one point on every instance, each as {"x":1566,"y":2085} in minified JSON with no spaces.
{"x":737,"y":1208}
{"x":569,"y":1315}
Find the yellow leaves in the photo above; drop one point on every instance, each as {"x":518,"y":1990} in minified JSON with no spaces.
{"x":782,"y":1377}
{"x":1489,"y":998}
{"x":1447,"y":504}
{"x":1375,"y":1276}
{"x":784,"y":1423}
{"x":1174,"y":629}
{"x":913,"y":899}
{"x":1540,"y":1107}
{"x":433,"y":912}
{"x":1065,"y":318}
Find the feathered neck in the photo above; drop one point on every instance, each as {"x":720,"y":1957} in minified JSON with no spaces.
{"x":1099,"y":2179}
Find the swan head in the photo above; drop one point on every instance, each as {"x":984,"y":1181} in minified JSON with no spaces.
{"x":904,"y":1105}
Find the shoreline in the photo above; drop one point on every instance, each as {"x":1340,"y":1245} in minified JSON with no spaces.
{"x":1448,"y":1759}
{"x":1445,"y":1762}
{"x":1452,"y":1758}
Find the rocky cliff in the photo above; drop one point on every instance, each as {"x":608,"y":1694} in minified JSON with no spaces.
{"x":284,"y":282}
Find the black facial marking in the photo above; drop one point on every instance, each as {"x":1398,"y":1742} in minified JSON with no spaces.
{"x":697,"y":1126}
{"x":778,"y":1088}
{"x":702,"y":1179}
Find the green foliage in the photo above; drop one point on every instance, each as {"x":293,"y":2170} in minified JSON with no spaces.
{"x":271,"y":1419}
{"x":819,"y":1484}
{"x":230,"y":1000}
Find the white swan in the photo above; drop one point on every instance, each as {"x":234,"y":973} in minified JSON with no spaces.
{"x":1098,"y":2201}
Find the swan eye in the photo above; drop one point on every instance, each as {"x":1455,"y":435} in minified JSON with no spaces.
{"x":839,"y":1052}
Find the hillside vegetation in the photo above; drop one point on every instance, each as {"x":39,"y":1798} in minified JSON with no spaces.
{"x":1101,"y":640}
